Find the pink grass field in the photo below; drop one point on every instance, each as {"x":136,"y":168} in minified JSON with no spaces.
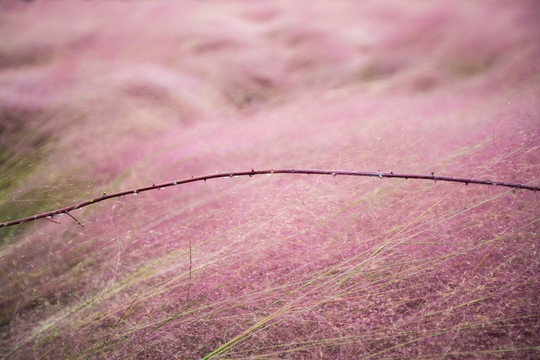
{"x":104,"y":96}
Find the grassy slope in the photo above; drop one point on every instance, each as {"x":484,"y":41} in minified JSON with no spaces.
{"x":280,"y":266}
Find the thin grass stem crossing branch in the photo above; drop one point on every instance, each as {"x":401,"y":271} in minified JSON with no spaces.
{"x":48,"y":215}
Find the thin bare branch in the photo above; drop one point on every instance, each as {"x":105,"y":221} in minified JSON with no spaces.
{"x":252,"y":172}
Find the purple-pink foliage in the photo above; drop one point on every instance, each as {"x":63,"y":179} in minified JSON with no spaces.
{"x":123,"y":96}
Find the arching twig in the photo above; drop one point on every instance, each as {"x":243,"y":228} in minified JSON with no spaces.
{"x":252,"y":172}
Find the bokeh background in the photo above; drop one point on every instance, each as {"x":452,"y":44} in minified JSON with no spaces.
{"x":106,"y":96}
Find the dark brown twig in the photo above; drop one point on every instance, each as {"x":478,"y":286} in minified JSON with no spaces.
{"x":52,"y":220}
{"x":252,"y":172}
{"x":75,"y":219}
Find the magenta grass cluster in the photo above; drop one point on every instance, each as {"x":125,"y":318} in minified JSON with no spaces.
{"x":293,"y":263}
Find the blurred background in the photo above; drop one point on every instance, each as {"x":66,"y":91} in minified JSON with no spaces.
{"x":106,"y":96}
{"x":98,"y":95}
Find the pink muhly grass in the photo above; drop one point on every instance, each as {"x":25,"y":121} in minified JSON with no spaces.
{"x":283,"y":266}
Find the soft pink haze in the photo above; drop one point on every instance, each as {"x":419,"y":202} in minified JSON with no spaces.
{"x":106,"y":96}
